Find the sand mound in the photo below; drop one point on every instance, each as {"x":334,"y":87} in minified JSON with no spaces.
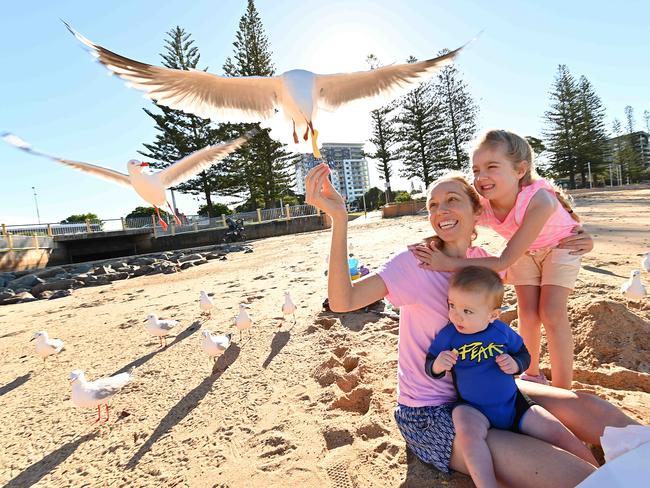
{"x":607,"y":332}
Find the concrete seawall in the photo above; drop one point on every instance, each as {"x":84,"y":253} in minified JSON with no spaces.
{"x":97,"y":246}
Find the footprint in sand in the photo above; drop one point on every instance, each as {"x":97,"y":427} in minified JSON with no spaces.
{"x":337,"y":437}
{"x":338,"y":474}
{"x":253,"y":298}
{"x":356,"y":401}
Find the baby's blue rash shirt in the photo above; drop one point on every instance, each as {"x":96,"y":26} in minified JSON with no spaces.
{"x":477,"y":377}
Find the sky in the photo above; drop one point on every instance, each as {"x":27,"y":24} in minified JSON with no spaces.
{"x":57,"y":98}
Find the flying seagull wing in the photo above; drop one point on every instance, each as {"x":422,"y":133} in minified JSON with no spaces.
{"x":196,"y":162}
{"x":234,"y":99}
{"x":386,"y":82}
{"x":100,"y":172}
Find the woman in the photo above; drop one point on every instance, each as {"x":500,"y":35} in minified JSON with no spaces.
{"x":423,"y":413}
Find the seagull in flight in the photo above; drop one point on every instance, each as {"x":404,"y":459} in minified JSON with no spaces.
{"x":150,"y":186}
{"x":288,"y":103}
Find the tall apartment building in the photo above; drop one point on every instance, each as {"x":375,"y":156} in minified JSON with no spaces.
{"x":349,"y":169}
{"x":640,"y":141}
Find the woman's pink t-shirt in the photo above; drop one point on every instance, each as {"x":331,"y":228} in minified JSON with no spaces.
{"x":559,"y":225}
{"x":421,"y":296}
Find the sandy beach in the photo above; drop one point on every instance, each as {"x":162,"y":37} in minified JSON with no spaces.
{"x":306,"y":405}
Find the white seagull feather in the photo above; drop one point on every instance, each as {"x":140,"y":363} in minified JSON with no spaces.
{"x":294,"y":96}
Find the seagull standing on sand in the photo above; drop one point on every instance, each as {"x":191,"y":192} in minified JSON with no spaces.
{"x":160,"y":328}
{"x":289,"y":102}
{"x":150,"y":186}
{"x":215,"y":345}
{"x":206,"y":303}
{"x":45,"y":346}
{"x":645,"y":262}
{"x":243,"y":320}
{"x":87,"y":394}
{"x":288,"y":307}
{"x":633,"y":289}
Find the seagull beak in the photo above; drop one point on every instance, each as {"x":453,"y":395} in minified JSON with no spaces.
{"x":144,"y":164}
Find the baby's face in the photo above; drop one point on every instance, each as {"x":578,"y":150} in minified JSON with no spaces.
{"x":470,"y":311}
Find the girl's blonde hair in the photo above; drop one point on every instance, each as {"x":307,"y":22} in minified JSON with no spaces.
{"x":518,"y":151}
{"x":468,"y":189}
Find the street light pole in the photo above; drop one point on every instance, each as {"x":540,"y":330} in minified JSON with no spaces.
{"x":589,"y":168}
{"x":38,"y":214}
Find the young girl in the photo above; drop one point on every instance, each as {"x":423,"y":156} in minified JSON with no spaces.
{"x":533,"y":216}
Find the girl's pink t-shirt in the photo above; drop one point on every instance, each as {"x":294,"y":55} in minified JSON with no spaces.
{"x":559,"y":225}
{"x":421,"y":296}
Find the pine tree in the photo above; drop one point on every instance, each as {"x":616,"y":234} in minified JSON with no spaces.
{"x":646,"y":117}
{"x":562,"y":120}
{"x":180,"y":134}
{"x":631,"y":156}
{"x":384,"y":137}
{"x":425,"y":149}
{"x":616,"y":147}
{"x":458,"y":111}
{"x":591,"y":135}
{"x":264,"y":172}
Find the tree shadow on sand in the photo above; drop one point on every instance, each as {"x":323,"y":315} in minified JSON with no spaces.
{"x":34,"y":473}
{"x":196,"y":325}
{"x":15,"y":383}
{"x":280,"y":339}
{"x":188,"y":403}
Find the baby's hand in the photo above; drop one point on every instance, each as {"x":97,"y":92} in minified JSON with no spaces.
{"x":507,"y":364}
{"x":445,"y":361}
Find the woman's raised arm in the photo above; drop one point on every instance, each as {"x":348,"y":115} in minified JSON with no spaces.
{"x":343,"y":295}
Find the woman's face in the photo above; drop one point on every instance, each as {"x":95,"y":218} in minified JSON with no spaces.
{"x":451,"y":212}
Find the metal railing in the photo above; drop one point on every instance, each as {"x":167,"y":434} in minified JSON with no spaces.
{"x":35,"y":236}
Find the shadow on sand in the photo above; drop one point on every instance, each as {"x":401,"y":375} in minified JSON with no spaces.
{"x":196,"y":325}
{"x":15,"y":384}
{"x":593,"y":269}
{"x":280,"y":339}
{"x":188,"y":403}
{"x":34,"y":473}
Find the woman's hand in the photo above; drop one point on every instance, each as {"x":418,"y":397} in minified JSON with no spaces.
{"x":580,"y":242}
{"x":444,"y":362}
{"x":320,"y":193}
{"x":507,"y":364}
{"x":432,"y":258}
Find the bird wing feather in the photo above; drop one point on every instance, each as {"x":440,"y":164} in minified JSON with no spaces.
{"x":200,"y":160}
{"x":335,"y":90}
{"x":98,"y":171}
{"x":167,"y":324}
{"x":234,"y":99}
{"x":106,"y":387}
